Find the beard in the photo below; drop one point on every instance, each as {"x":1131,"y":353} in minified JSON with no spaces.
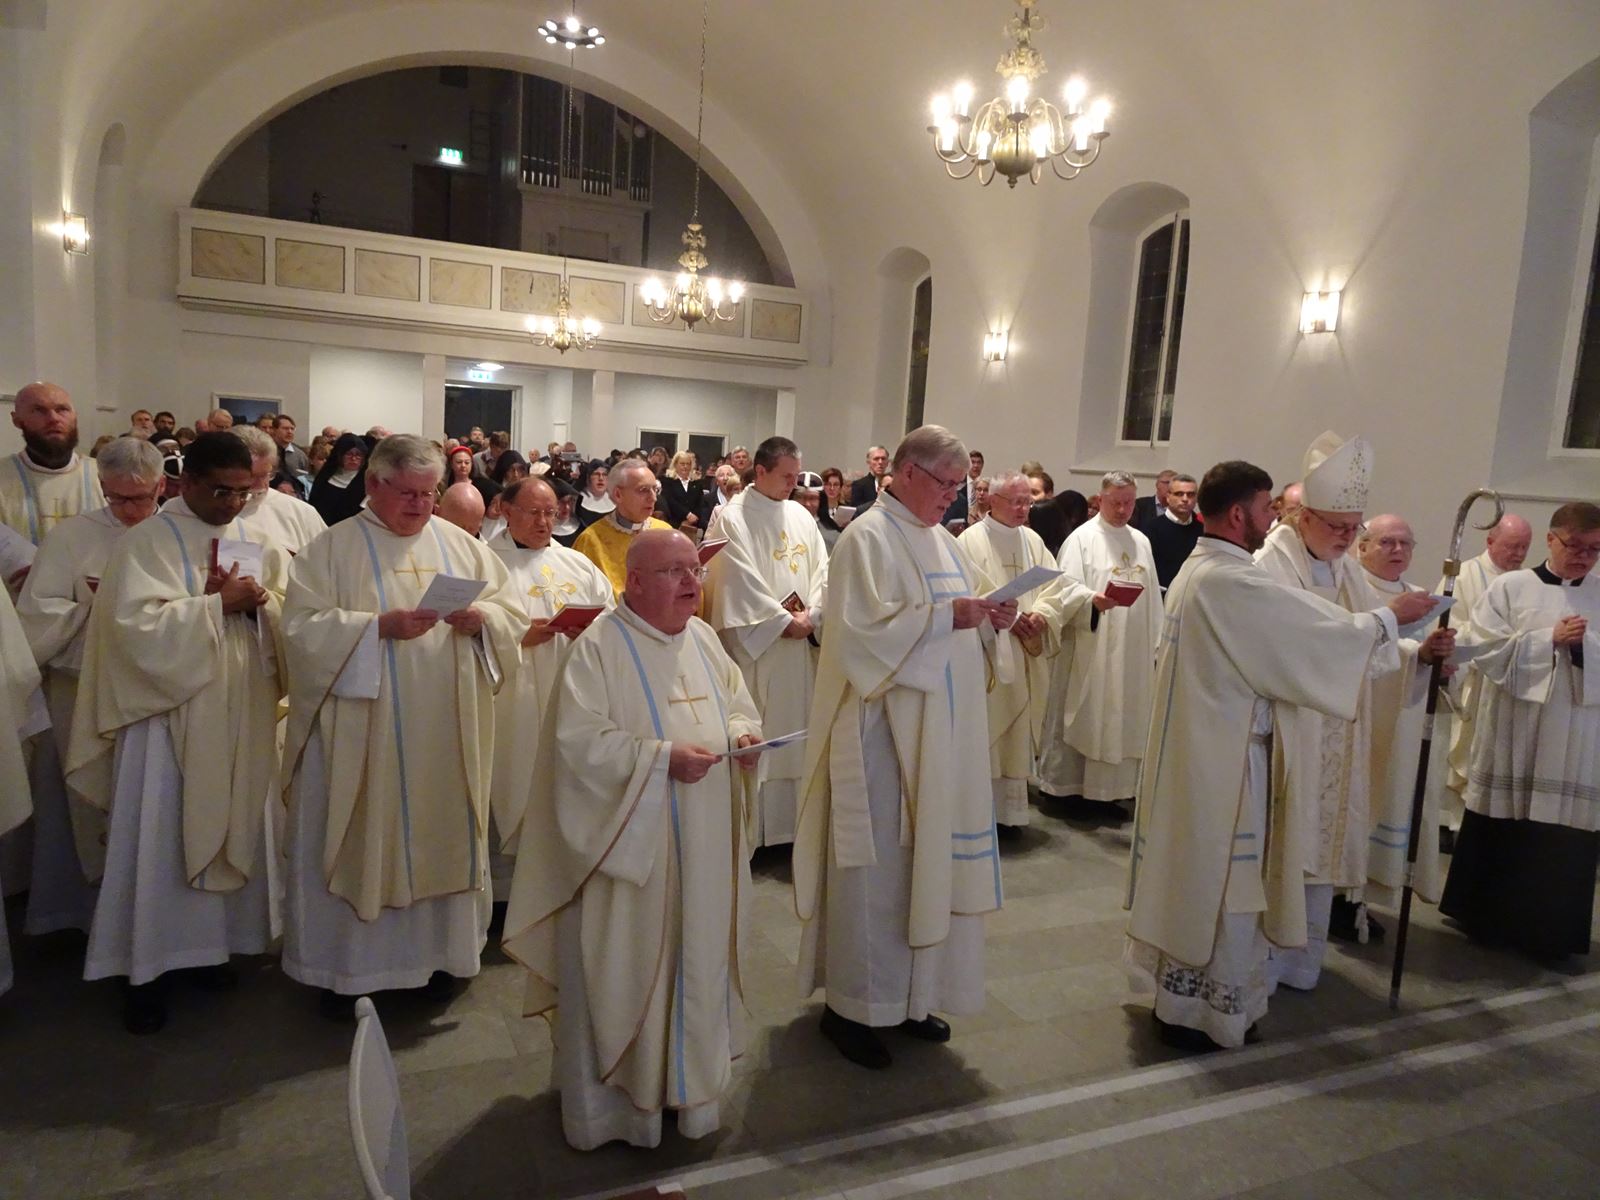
{"x":50,"y":452}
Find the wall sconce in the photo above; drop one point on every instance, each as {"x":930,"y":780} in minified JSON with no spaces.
{"x":995,"y":345}
{"x":1319,"y":312}
{"x":74,"y":233}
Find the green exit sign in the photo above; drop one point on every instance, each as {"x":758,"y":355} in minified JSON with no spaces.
{"x":451,"y":157}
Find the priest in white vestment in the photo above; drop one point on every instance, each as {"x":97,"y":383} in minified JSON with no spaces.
{"x":22,"y":714}
{"x":1214,"y":881}
{"x":1505,"y":548}
{"x":1324,"y":764}
{"x":272,"y":516}
{"x":172,"y":735}
{"x":391,"y":741}
{"x":1098,"y":716}
{"x":895,"y":855}
{"x":765,"y":591}
{"x":46,"y":481}
{"x":69,"y":835}
{"x":632,"y":878}
{"x":1523,"y":872}
{"x":1002,"y":547}
{"x":545,"y":577}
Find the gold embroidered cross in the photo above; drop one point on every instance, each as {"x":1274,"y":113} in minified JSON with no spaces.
{"x":551,"y":588}
{"x":54,"y":518}
{"x":691,"y":701}
{"x":1014,"y":567}
{"x":415,"y":571}
{"x":788,"y":552}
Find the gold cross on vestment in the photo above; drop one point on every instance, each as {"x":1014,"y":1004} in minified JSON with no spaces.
{"x":789,"y":552}
{"x":415,"y":571}
{"x":691,"y":701}
{"x":1014,"y":567}
{"x":54,"y":518}
{"x":551,"y":588}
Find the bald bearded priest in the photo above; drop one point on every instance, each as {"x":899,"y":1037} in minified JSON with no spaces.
{"x":1003,"y":547}
{"x":545,"y":578}
{"x":46,"y":481}
{"x":632,"y":489}
{"x":391,"y":741}
{"x":173,"y":735}
{"x":766,"y":590}
{"x":895,"y":860}
{"x":628,"y":907}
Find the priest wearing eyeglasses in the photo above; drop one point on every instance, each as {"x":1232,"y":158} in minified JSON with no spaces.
{"x":629,"y":904}
{"x":391,"y":739}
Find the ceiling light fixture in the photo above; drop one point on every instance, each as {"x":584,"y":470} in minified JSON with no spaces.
{"x":572,"y":33}
{"x":1017,"y":132}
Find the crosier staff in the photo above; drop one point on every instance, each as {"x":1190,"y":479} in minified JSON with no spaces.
{"x":1452,"y":568}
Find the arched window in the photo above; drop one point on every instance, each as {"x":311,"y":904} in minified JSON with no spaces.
{"x":1583,"y":412}
{"x":917,"y":376}
{"x":1152,"y":373}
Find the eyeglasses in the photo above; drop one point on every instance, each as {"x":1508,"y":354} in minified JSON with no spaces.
{"x":140,"y":498}
{"x":945,"y":485}
{"x":680,"y":574}
{"x":409,"y":495}
{"x":547,"y":514}
{"x":1579,"y":550}
{"x":242,"y":495}
{"x":1344,"y":528}
{"x":1396,"y":543}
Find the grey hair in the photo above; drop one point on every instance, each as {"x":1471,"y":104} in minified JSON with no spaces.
{"x":130,"y":458}
{"x":1117,"y":479}
{"x":400,"y":453}
{"x":258,"y":441}
{"x":928,"y":446}
{"x":1001,"y":478}
{"x":619,"y":474}
{"x":1184,"y":479}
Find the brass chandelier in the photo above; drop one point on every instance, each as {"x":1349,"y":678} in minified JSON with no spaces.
{"x":693,"y":298}
{"x":1017,"y":132}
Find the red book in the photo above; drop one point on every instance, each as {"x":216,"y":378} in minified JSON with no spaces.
{"x":710,"y":549}
{"x":1123,"y":592}
{"x":574,"y":618}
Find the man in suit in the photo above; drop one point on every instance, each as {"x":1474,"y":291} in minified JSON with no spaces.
{"x":1147,"y":509}
{"x":865,"y":490}
{"x":965,"y":499}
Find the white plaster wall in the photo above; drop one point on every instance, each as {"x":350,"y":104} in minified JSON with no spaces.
{"x":357,"y":389}
{"x":213,"y":363}
{"x":744,"y":414}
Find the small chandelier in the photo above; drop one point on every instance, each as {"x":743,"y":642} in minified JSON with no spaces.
{"x":1017,"y":132}
{"x":563,"y":331}
{"x":572,"y":33}
{"x":691,"y":298}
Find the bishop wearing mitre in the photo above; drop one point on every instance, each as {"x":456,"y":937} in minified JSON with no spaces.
{"x":46,"y":481}
{"x":390,"y":746}
{"x":70,"y":836}
{"x":1099,"y":710}
{"x":272,"y":516}
{"x":172,"y":735}
{"x":766,"y":589}
{"x":1003,"y":547}
{"x":22,"y":714}
{"x":895,"y":854}
{"x":546,"y":578}
{"x":632,"y":881}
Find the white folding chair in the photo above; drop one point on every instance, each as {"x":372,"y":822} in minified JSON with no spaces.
{"x":377,"y":1123}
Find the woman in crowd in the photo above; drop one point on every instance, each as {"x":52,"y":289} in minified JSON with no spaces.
{"x":596,"y":501}
{"x":317,"y":453}
{"x":341,"y":485}
{"x":509,"y":468}
{"x":680,"y":490}
{"x":831,"y":498}
{"x":567,"y":526}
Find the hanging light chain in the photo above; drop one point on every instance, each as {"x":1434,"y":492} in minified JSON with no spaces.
{"x":700,"y":114}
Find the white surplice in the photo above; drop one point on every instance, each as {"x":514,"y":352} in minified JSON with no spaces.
{"x":774,"y":550}
{"x":1098,"y":714}
{"x":895,"y":857}
{"x":1213,"y":878}
{"x":1475,"y":577}
{"x":282,"y":520}
{"x":35,"y":499}
{"x":22,"y":714}
{"x":628,"y":903}
{"x":1017,"y":707}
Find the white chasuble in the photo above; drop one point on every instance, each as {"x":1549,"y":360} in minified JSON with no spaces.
{"x":159,"y":647}
{"x":1234,"y":642}
{"x":1536,"y":754}
{"x":627,"y":905}
{"x":1017,"y":707}
{"x":19,"y":684}
{"x":774,"y":550}
{"x":1473,"y":581}
{"x":543,"y":582}
{"x":406,"y":726}
{"x":1099,"y":714}
{"x":896,"y":811}
{"x":279,"y":519}
{"x":35,"y":499}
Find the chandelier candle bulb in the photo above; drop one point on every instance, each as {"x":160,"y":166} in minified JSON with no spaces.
{"x":963,"y":97}
{"x":1076,"y":91}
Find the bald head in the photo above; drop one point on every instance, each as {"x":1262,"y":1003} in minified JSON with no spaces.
{"x":219,"y":418}
{"x":1292,"y":502}
{"x":530,"y":509}
{"x":1386,"y":547}
{"x":49,"y":423}
{"x":663,"y":585}
{"x":1508,"y":542}
{"x":462,"y":506}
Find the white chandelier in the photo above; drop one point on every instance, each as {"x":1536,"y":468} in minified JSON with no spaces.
{"x":1018,"y":131}
{"x":692,"y":298}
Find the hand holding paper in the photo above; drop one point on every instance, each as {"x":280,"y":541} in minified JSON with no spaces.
{"x":1023,"y":584}
{"x":776,"y":743}
{"x":446,"y":594}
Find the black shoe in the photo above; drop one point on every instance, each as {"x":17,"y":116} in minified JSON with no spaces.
{"x":441,"y":986}
{"x":218,"y":978}
{"x":1181,"y":1037}
{"x":855,"y":1041}
{"x":336,"y":1007}
{"x":1344,"y":922}
{"x":929,"y":1029}
{"x":144,"y":1009}
{"x":1447,"y":840}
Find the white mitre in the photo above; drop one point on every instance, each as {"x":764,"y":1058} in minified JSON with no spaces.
{"x":1337,"y":474}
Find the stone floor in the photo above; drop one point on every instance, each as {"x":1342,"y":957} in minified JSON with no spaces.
{"x":1485,"y":1085}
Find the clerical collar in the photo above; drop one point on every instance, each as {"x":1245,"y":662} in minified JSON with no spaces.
{"x":34,"y":464}
{"x":626,"y":612}
{"x":1546,"y":575}
{"x":616,"y":519}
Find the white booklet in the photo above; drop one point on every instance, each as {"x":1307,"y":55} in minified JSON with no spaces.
{"x":776,"y":743}
{"x":227,"y":553}
{"x":1023,"y":584}
{"x":447,"y":594}
{"x":1446,"y":603}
